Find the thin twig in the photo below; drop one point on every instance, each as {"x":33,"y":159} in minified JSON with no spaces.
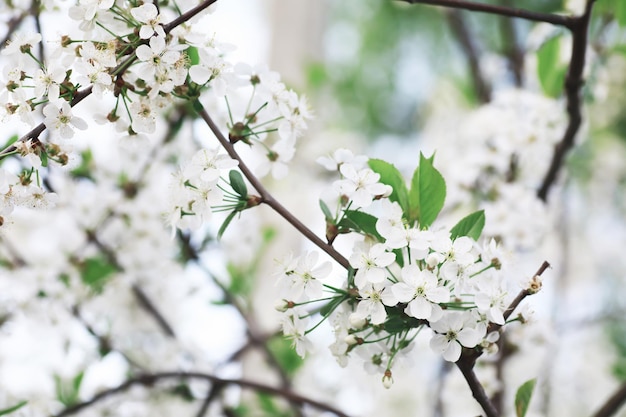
{"x":267,"y":198}
{"x":149,"y":380}
{"x":573,"y":85}
{"x":555,"y":19}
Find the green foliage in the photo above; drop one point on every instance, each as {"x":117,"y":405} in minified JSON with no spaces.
{"x":550,"y":70}
{"x":471,"y":226}
{"x":269,"y":407}
{"x":390,"y":175}
{"x":523,"y":396}
{"x":86,"y":165}
{"x":397,"y":321}
{"x":360,"y":222}
{"x":16,"y":407}
{"x":285,"y":355}
{"x":95,"y":271}
{"x":427,"y":195}
{"x":617,"y":335}
{"x":67,"y":391}
{"x":192,"y":53}
{"x":226,"y":222}
{"x":327,"y":214}
{"x":330,"y":306}
{"x":238,"y":184}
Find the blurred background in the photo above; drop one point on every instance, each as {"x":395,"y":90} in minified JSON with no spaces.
{"x":388,"y":80}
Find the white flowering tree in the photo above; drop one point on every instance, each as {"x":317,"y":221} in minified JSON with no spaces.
{"x":136,"y":151}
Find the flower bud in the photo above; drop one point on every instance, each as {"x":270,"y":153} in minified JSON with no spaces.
{"x":387,"y":379}
{"x":356,"y":322}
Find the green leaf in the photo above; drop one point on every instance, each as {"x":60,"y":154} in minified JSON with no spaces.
{"x":390,"y":175}
{"x":95,"y":271}
{"x":523,"y":396}
{"x":192,"y":53}
{"x":44,"y":159}
{"x":428,"y":193}
{"x":332,"y":305}
{"x":86,"y":164}
{"x":14,"y":408}
{"x":471,"y":225}
{"x":550,"y":70}
{"x":224,"y":225}
{"x":360,"y":222}
{"x":285,"y":354}
{"x":397,"y":321}
{"x":238,"y":184}
{"x":327,"y":214}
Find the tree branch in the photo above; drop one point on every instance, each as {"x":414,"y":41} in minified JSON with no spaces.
{"x":573,"y":84}
{"x":467,"y":369}
{"x":150,"y":379}
{"x":465,"y":38}
{"x":555,"y":19}
{"x":267,"y":198}
{"x":613,"y":404}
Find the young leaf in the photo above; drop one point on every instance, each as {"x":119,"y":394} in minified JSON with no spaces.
{"x":237,"y":183}
{"x":470,"y":225}
{"x":522,"y":397}
{"x":390,"y":175}
{"x":428,"y":193}
{"x":327,"y":214}
{"x":551,"y":72}
{"x":224,"y":225}
{"x":14,"y":408}
{"x":192,"y":53}
{"x":360,"y":222}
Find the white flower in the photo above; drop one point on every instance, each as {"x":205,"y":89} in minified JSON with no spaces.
{"x":91,"y":72}
{"x":211,"y":69}
{"x":373,"y":296}
{"x":21,"y":41}
{"x":341,"y":156}
{"x":144,"y":120}
{"x":46,"y":82}
{"x":451,"y":333}
{"x":421,"y":291}
{"x":208,"y":164}
{"x":360,"y":186}
{"x":157,"y":57}
{"x":61,"y":119}
{"x":370,"y":263}
{"x":490,"y":299}
{"x":294,"y":328}
{"x":276,"y":158}
{"x":302,"y":277}
{"x":148,"y":14}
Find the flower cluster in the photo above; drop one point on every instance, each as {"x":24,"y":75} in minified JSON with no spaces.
{"x":195,"y":189}
{"x":405,"y":274}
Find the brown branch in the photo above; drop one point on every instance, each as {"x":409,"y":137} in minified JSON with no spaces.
{"x":555,"y":19}
{"x":467,"y":369}
{"x":267,"y":198}
{"x":613,"y":404}
{"x":148,"y":380}
{"x":518,"y":299}
{"x":512,"y":49}
{"x":465,"y":38}
{"x":573,"y":84}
